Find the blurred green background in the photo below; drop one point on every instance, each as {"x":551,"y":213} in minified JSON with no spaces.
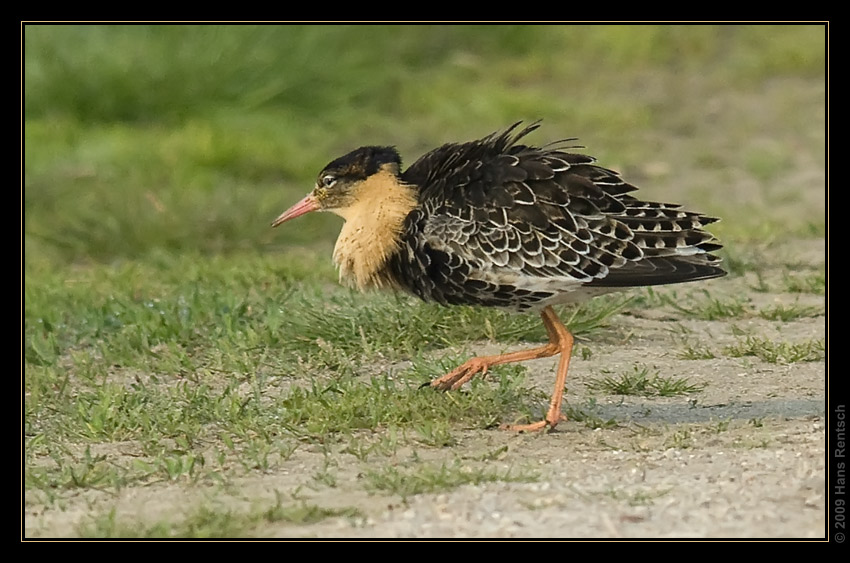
{"x":143,"y":139}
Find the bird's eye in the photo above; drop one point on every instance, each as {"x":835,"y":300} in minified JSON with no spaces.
{"x":328,"y":180}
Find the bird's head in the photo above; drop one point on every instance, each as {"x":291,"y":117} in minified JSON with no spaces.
{"x":340,"y":184}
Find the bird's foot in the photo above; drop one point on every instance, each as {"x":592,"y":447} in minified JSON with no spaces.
{"x":457,"y":377}
{"x":551,"y":421}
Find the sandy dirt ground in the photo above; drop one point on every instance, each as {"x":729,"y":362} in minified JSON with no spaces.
{"x":742,"y":458}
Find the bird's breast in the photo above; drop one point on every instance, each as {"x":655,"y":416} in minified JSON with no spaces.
{"x":361,"y":254}
{"x":372,"y":232}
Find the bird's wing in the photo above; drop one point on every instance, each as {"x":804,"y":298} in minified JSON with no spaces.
{"x":539,"y":217}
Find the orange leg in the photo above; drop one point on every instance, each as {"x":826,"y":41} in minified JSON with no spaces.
{"x":560,"y":342}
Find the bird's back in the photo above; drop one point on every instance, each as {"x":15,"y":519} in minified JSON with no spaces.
{"x":504,"y":224}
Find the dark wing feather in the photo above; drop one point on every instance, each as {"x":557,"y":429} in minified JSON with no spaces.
{"x":505,"y":224}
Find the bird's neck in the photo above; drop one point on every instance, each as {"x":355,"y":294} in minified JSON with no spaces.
{"x":372,"y":230}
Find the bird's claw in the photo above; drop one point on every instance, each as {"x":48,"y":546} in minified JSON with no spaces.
{"x":545,"y":424}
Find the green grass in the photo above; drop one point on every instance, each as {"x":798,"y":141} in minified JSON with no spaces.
{"x":787,"y":313}
{"x":771,"y":351}
{"x":218,"y":128}
{"x":187,"y":70}
{"x":429,"y":478}
{"x":644,"y":381}
{"x":700,"y":305}
{"x":645,"y":497}
{"x":695,"y":351}
{"x":207,"y":365}
{"x":588,"y":414}
{"x":777,"y":352}
{"x":704,"y":307}
{"x":188,"y":353}
{"x":208,"y":521}
{"x":680,"y":439}
{"x":806,"y":283}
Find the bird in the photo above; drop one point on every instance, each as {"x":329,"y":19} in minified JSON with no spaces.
{"x":499,"y":222}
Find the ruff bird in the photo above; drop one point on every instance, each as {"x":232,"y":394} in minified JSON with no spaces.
{"x":500,"y":223}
